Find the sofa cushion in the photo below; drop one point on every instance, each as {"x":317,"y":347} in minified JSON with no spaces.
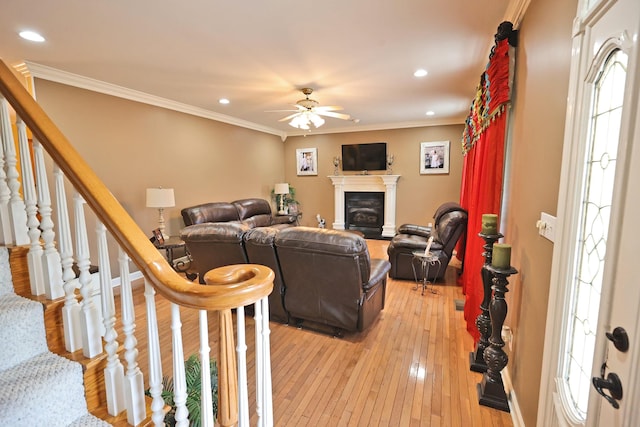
{"x":210,"y":212}
{"x":260,"y":220}
{"x":248,"y":208}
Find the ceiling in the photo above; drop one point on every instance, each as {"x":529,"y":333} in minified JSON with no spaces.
{"x":359,"y":54}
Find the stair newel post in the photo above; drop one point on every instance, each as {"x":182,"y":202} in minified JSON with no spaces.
{"x":179,"y":377}
{"x":17,"y":211}
{"x":51,"y":262}
{"x":71,"y":308}
{"x":6,"y":235}
{"x":89,"y":319}
{"x":34,"y":257}
{"x":227,"y":373}
{"x":483,"y":321}
{"x":113,"y":372}
{"x":155,"y":359}
{"x":241,"y":350}
{"x":263,"y":346}
{"x":491,"y":390}
{"x":133,"y":381}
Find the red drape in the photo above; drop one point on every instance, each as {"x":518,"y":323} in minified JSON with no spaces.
{"x":483,"y":142}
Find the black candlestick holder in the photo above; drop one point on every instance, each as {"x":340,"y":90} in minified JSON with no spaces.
{"x":483,"y":321}
{"x":491,"y":390}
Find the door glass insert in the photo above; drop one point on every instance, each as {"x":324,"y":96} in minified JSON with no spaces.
{"x":595,"y":210}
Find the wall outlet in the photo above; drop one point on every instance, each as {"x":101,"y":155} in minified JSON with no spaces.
{"x":547,"y":226}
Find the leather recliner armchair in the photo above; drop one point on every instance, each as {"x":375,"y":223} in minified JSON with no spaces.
{"x":330,"y":278}
{"x":450,"y":223}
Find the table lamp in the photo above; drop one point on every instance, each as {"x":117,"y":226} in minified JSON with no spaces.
{"x":281,"y":189}
{"x":160,"y":198}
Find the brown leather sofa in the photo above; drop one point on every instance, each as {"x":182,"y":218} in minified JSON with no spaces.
{"x":450,"y":223}
{"x":252,"y":212}
{"x":323,"y":278}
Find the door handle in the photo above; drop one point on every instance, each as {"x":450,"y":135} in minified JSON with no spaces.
{"x":611,"y":383}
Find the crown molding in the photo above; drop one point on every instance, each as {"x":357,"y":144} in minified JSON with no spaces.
{"x":383,"y":126}
{"x":515,"y":12}
{"x":52,"y":74}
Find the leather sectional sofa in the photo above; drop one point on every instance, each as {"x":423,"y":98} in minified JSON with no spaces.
{"x":324,"y":279}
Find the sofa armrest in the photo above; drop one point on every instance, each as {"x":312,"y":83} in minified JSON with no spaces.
{"x":379,"y":270}
{"x":284,"y":219}
{"x":417,"y":230}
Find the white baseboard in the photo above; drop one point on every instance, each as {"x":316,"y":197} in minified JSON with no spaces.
{"x":516,"y":414}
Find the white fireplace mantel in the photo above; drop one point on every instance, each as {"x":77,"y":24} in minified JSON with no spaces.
{"x":361,"y":183}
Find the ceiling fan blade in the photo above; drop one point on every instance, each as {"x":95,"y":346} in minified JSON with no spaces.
{"x":335,"y":115}
{"x":280,"y":111}
{"x":329,"y":108}
{"x":290,"y":116}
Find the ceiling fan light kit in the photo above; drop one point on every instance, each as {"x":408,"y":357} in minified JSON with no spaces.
{"x":309,"y":111}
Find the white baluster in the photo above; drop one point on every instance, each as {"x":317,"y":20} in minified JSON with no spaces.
{"x":155,"y":360}
{"x":206,"y":412}
{"x":17,"y":212}
{"x":113,"y":372}
{"x":6,"y":235}
{"x":259,"y":363}
{"x":34,"y":257}
{"x":51,"y":263}
{"x":241,"y":351}
{"x":89,"y":318}
{"x":179,"y":379}
{"x":265,"y":349}
{"x":71,"y":309}
{"x":134,"y":383}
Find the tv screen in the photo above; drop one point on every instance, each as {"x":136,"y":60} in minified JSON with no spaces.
{"x":361,"y":157}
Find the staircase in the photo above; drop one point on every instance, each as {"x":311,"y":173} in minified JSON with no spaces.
{"x":37,"y":387}
{"x":79,"y":320}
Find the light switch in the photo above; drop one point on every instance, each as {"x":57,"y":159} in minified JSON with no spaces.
{"x":547,"y":226}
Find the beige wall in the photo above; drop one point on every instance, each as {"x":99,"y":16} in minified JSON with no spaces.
{"x":541,"y":88}
{"x":418,"y":196}
{"x":133,"y":146}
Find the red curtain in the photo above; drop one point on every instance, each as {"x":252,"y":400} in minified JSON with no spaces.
{"x":483,"y":143}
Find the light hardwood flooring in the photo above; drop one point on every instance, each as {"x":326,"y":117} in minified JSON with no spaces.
{"x":411,"y":368}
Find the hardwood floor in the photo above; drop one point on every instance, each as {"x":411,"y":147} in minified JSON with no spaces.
{"x":411,"y":368}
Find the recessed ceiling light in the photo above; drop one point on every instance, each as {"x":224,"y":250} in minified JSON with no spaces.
{"x":223,"y":101}
{"x":420,"y":72}
{"x":430,"y":113}
{"x":31,"y":36}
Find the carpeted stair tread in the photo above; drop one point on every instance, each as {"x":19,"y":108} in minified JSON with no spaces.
{"x":89,"y":421}
{"x":44,"y":390}
{"x":22,"y":333}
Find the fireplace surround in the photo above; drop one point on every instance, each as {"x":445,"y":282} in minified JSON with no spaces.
{"x":386,"y":184}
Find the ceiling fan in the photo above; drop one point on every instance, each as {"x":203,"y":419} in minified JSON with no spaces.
{"x":308,"y":112}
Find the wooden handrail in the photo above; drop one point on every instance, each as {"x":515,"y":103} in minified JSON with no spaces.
{"x":255,"y":283}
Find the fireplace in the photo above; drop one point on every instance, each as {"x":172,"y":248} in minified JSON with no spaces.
{"x":385,"y":184}
{"x":364,"y":212}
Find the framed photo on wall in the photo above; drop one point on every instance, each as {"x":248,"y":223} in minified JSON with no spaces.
{"x":434,"y":157}
{"x":307,"y":161}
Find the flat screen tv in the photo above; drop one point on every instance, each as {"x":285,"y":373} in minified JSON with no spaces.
{"x":364,"y":157}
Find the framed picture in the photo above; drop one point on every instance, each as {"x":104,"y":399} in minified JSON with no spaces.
{"x":434,"y":157}
{"x":293,"y":209}
{"x":158,"y":238}
{"x":307,"y":161}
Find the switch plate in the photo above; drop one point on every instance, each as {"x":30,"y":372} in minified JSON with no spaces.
{"x":547,"y":226}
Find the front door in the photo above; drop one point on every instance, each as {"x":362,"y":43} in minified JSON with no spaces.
{"x":593,"y":286}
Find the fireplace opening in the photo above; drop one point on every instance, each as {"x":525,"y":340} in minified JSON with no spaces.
{"x":364,"y":212}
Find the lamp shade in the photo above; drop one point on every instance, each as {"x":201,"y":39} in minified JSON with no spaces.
{"x":160,"y":198}
{"x":281,"y":188}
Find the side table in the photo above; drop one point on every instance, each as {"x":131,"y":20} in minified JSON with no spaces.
{"x":181,"y":264}
{"x":425,"y":262}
